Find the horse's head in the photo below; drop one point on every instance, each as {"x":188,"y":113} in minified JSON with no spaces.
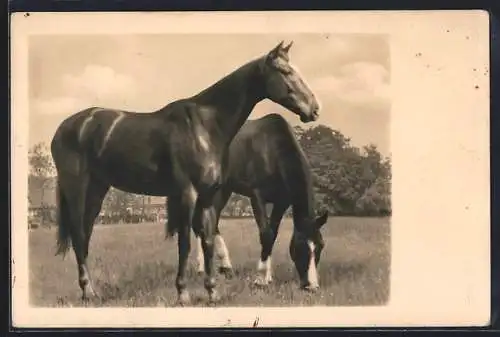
{"x":305,"y":250}
{"x":284,"y":85}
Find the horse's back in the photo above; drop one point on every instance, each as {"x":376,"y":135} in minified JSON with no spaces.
{"x":269,"y":135}
{"x":266,"y":156}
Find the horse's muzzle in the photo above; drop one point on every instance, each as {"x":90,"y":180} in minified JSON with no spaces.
{"x":310,"y":117}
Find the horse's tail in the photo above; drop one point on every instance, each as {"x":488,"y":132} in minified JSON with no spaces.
{"x":63,"y":222}
{"x":170,"y":229}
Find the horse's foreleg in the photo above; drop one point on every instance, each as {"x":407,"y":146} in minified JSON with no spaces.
{"x":221,"y":251}
{"x":220,"y":200}
{"x":264,"y":276}
{"x":208,"y":220}
{"x":226,"y":267}
{"x":200,"y":260}
{"x":184,"y":246}
{"x":183,"y":215}
{"x":267,"y":245}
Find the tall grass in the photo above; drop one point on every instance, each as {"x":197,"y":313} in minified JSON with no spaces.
{"x":132,"y":265}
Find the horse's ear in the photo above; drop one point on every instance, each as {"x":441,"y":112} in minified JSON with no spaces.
{"x":287,"y":48}
{"x":276,"y":50}
{"x":321,"y":219}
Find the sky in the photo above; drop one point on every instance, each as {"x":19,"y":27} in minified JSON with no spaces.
{"x":350,"y":75}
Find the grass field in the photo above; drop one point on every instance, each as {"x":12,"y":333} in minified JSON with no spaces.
{"x":132,"y":265}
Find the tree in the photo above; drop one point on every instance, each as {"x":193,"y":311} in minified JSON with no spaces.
{"x":117,"y":201}
{"x":347,"y":180}
{"x":42,"y":171}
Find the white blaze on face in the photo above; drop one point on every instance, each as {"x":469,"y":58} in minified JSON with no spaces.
{"x":312,"y":273}
{"x":306,"y":85}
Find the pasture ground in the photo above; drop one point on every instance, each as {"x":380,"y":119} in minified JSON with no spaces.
{"x":133,"y":265}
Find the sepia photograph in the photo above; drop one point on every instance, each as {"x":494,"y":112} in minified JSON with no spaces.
{"x":166,"y":165}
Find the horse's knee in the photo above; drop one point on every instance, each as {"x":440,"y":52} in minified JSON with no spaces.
{"x":83,"y":282}
{"x":209,"y":242}
{"x":180,"y":283}
{"x":83,"y":277}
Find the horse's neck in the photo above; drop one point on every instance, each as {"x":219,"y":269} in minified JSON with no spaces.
{"x":303,"y":203}
{"x":303,"y":214}
{"x":233,"y":99}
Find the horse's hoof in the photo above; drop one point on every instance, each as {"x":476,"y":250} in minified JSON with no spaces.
{"x":88,"y":295}
{"x":183,"y":298}
{"x":213,"y":297}
{"x":261,"y":281}
{"x":87,"y":300}
{"x":310,"y":289}
{"x":227,"y":272}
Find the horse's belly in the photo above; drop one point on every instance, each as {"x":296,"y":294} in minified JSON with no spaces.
{"x":140,"y":177}
{"x":142,"y":186}
{"x":270,"y":188}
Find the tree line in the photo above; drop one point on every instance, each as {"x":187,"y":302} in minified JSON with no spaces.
{"x":348,"y":180}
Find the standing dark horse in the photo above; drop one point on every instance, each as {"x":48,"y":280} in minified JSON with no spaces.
{"x":179,"y":151}
{"x":267,"y":164}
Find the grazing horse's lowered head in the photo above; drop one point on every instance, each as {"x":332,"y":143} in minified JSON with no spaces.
{"x":306,"y":246}
{"x":286,"y":87}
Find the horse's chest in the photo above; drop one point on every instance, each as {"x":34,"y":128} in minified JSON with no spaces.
{"x":208,"y":158}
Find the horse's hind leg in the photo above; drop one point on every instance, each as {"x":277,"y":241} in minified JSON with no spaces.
{"x":95,"y":193}
{"x":82,"y":197}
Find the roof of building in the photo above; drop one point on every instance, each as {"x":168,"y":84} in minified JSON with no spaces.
{"x":48,"y":196}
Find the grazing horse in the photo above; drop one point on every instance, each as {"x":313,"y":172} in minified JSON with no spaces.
{"x":179,"y":151}
{"x":267,"y":164}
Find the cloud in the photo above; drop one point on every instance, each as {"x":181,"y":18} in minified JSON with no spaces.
{"x":357,"y":84}
{"x":94,"y":85}
{"x":97,"y":80}
{"x":330,"y":52}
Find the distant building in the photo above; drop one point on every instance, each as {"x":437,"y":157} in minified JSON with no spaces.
{"x":156,"y":206}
